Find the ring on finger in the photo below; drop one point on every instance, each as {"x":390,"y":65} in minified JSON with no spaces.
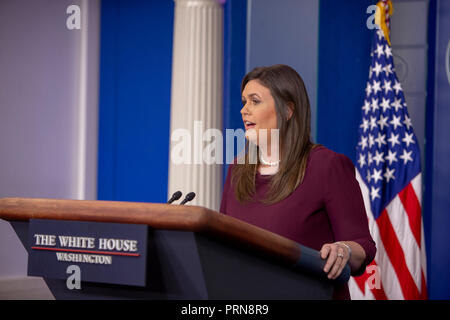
{"x":340,"y":254}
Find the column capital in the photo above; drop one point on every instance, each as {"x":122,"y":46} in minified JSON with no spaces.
{"x":203,"y":3}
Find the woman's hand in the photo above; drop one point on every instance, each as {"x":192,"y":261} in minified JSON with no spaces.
{"x":337,"y":255}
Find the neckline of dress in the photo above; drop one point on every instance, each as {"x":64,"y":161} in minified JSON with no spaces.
{"x":266,"y":176}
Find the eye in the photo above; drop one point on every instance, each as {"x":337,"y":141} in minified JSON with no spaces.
{"x":254,"y":101}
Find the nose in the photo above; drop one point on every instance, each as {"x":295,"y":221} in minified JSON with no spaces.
{"x":244,"y":110}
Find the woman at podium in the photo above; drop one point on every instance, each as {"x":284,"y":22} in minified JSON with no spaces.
{"x":295,"y":188}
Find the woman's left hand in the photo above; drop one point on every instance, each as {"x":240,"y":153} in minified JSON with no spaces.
{"x":337,"y":256}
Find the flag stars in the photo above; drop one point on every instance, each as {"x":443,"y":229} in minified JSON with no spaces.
{"x":371,"y":140}
{"x":374,"y":104}
{"x":388,"y":69}
{"x":397,"y":87}
{"x":376,"y":175}
{"x":378,"y":157}
{"x":396,"y":104}
{"x":369,"y":159}
{"x":382,"y":122}
{"x":395,"y":122}
{"x":385,"y":104}
{"x":389,"y":174}
{"x":380,"y":34}
{"x":406,"y":156}
{"x":407,"y":122}
{"x":380,"y":140}
{"x":387,"y":51}
{"x":376,"y":86}
{"x":391,"y":157}
{"x":362,"y":160}
{"x":363,"y":143}
{"x":365,"y":124}
{"x":368,"y":88}
{"x":379,"y":51}
{"x":373,"y":123}
{"x":377,"y":69}
{"x":374,"y":193}
{"x":394,"y":139}
{"x":366,"y":106}
{"x":387,"y":86}
{"x":408,"y":139}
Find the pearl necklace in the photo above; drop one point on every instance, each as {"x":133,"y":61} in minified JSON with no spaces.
{"x":267,"y":163}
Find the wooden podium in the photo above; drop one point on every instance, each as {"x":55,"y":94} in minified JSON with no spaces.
{"x":192,"y":253}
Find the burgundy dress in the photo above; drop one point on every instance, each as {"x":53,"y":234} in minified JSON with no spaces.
{"x":327,"y":207}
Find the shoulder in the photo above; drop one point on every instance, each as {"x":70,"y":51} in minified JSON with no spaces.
{"x":324,"y":159}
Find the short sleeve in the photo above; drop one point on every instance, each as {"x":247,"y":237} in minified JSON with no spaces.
{"x":345,"y":206}
{"x":226,"y":188}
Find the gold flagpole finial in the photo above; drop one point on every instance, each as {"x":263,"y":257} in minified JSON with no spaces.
{"x":382,"y":17}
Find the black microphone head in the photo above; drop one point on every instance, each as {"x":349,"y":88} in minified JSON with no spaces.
{"x":190,"y":196}
{"x":177,"y":195}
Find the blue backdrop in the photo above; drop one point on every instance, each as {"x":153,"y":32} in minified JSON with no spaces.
{"x":342,"y":74}
{"x":135,"y":79}
{"x":437,"y":170}
{"x":235,"y":24}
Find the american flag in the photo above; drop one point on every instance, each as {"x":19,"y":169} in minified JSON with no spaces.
{"x":389,"y":173}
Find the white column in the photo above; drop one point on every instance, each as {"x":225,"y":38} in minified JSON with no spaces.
{"x":86,"y":142}
{"x":197,"y":93}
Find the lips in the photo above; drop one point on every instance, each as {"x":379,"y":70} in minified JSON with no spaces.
{"x":249,"y":124}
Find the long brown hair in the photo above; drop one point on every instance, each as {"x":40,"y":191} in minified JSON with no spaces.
{"x":289,"y":92}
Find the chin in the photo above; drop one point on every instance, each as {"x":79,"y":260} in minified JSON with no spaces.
{"x":251,"y":135}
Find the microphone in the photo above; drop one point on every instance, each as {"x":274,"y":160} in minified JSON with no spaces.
{"x":175,"y":196}
{"x":189,"y":197}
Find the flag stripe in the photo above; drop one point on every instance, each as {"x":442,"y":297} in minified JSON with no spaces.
{"x":412,"y":207}
{"x":356,"y":293}
{"x":396,"y":256}
{"x":390,"y":282}
{"x":399,"y":220}
{"x":416,"y":183}
{"x":417,"y":186}
{"x":379,"y":293}
{"x":361,"y":281}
